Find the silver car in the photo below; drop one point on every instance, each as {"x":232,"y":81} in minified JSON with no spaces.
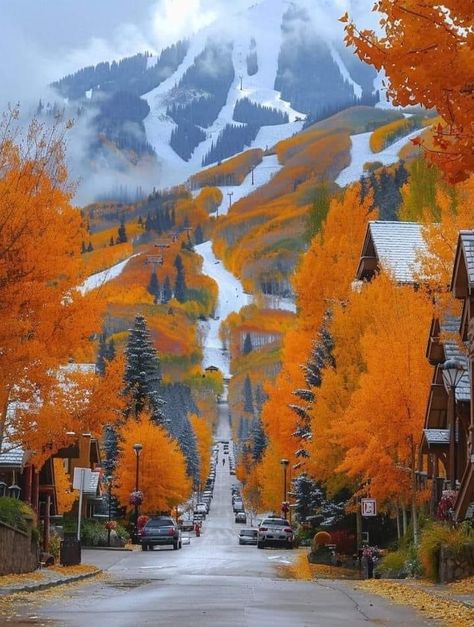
{"x":274,"y":531}
{"x":248,"y":536}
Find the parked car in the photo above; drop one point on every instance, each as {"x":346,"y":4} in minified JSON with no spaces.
{"x":198,"y":517}
{"x":274,"y":531}
{"x":241,"y":517}
{"x":160,"y":530}
{"x":201,"y":508}
{"x":186,"y":525}
{"x":237,"y":505}
{"x":248,"y":536}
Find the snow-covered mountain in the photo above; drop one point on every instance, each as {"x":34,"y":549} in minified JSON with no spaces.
{"x":247,"y":81}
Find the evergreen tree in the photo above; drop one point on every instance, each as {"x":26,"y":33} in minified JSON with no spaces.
{"x":321,"y":357}
{"x":101,"y":354}
{"x":180,"y":289}
{"x":311,"y":500}
{"x":90,"y":247}
{"x":154,"y":287}
{"x":260,"y":398}
{"x":167,"y":294}
{"x":142,"y":371}
{"x":198,"y":235}
{"x":248,"y":396}
{"x":248,"y":348}
{"x":122,"y":233}
{"x":259,"y":439}
{"x":110,"y":352}
{"x":188,"y":444}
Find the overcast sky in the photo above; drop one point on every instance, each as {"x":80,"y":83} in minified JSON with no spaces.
{"x":42,"y":40}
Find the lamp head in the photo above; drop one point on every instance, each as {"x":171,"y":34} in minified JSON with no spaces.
{"x":453,"y":370}
{"x":138,"y":448}
{"x":284,"y":462}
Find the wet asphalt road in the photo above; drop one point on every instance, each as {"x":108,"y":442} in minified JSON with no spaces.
{"x":213,"y":582}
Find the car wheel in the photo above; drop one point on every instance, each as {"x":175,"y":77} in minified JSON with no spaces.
{"x":144,"y":547}
{"x":260,"y":545}
{"x":289,"y":545}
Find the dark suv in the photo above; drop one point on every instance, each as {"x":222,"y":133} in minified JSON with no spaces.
{"x":160,"y":530}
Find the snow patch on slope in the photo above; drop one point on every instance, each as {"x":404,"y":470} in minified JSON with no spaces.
{"x":230,"y":299}
{"x":345,"y":72}
{"x":100,"y":278}
{"x":361,"y":153}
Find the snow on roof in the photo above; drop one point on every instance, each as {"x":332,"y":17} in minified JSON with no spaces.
{"x":397,"y":246}
{"x":467,"y":242}
{"x":11,"y":455}
{"x":437,"y":436}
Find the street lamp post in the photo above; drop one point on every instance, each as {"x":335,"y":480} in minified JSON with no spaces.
{"x":284,"y":463}
{"x":138,"y":449}
{"x":453,"y":370}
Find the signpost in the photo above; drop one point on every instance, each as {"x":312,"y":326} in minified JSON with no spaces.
{"x":368,"y":507}
{"x":85,"y":481}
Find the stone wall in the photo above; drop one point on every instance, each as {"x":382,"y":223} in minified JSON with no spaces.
{"x":457,"y":565}
{"x":18,"y":552}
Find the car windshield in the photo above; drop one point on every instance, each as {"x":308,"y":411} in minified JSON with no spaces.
{"x":160,"y":522}
{"x":248,"y":532}
{"x":275,"y":522}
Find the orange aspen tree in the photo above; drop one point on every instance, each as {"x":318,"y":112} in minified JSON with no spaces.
{"x":427,"y":52}
{"x":324,"y":277}
{"x":162,"y":470}
{"x":380,"y":430}
{"x":42,"y":312}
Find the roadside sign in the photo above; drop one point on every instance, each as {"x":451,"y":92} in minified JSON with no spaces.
{"x":368,"y":507}
{"x":86,"y":479}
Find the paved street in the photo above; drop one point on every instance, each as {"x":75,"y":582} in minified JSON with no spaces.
{"x":212,"y":582}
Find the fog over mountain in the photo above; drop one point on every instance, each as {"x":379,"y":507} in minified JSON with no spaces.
{"x":192,"y":81}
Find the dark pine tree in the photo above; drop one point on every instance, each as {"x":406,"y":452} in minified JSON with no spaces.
{"x":198,"y":235}
{"x":188,"y":444}
{"x":248,"y":347}
{"x":259,"y":439}
{"x":154,"y":287}
{"x":180,"y":289}
{"x":248,"y":396}
{"x":90,"y":248}
{"x":167,"y":294}
{"x":142,"y":372}
{"x":122,"y":233}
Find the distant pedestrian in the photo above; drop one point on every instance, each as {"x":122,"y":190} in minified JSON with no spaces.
{"x":223,"y":461}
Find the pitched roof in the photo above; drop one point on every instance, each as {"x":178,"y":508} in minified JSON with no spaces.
{"x":463,"y":272}
{"x":395,"y":246}
{"x":11,"y":456}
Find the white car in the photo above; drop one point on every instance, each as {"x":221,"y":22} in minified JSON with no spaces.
{"x":274,"y":531}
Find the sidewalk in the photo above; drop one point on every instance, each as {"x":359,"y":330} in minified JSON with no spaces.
{"x":46,"y":578}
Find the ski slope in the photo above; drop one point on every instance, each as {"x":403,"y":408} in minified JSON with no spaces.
{"x":261,"y":175}
{"x":230,"y":299}
{"x":361,"y":153}
{"x":100,"y":278}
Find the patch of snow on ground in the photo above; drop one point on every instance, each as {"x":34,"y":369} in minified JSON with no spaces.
{"x":361,"y":153}
{"x":98,"y":279}
{"x":231,"y":298}
{"x":344,"y":72}
{"x":278,"y":302}
{"x":261,"y":175}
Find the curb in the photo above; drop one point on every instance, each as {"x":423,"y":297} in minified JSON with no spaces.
{"x":36,"y":587}
{"x":105,"y":548}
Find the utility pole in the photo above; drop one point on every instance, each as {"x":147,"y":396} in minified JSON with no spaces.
{"x":230,"y":194}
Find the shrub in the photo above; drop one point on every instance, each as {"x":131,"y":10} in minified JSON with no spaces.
{"x":436,"y":535}
{"x":54,"y":545}
{"x":393,"y":564}
{"x":322,"y":538}
{"x":15,"y":513}
{"x":93,"y":533}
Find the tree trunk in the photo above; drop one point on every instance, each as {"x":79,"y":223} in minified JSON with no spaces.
{"x":398,"y":524}
{"x":404,"y":518}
